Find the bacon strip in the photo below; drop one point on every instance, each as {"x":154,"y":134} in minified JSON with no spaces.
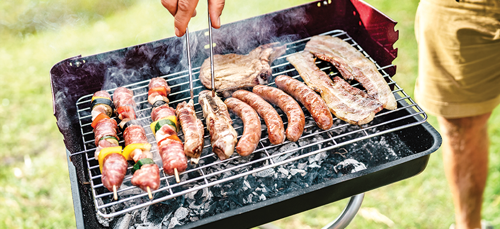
{"x":352,"y":64}
{"x":346,"y":102}
{"x":193,"y":130}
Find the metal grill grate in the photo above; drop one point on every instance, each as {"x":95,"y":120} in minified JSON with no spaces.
{"x":210,"y":171}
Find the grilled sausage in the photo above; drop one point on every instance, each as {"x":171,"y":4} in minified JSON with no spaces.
{"x":275,"y":128}
{"x":305,"y":95}
{"x":295,"y":115}
{"x":251,"y":123}
{"x":193,"y":130}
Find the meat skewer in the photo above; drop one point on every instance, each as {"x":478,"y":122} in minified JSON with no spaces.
{"x":192,"y":127}
{"x":112,"y":163}
{"x":251,"y":123}
{"x":275,"y":128}
{"x":222,"y":134}
{"x":295,"y":115}
{"x":146,"y":174}
{"x":165,"y":128}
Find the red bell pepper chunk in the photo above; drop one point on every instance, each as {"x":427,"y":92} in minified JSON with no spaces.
{"x":97,"y":119}
{"x":160,"y":90}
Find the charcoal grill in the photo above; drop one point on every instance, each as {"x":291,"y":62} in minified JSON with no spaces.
{"x":333,"y":164}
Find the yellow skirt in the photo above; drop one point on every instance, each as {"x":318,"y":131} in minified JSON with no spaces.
{"x":459,"y":57}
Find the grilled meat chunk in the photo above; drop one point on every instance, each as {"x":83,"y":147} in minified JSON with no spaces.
{"x":222,"y":134}
{"x":234,"y":71}
{"x":346,"y":102}
{"x":352,"y":64}
{"x":193,"y":130}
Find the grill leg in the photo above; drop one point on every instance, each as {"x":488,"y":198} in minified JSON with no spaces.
{"x":340,"y":222}
{"x":348,"y":214}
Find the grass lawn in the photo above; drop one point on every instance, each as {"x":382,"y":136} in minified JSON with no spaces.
{"x":34,"y":186}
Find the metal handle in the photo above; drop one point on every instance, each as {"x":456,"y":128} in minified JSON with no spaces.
{"x":348,"y":214}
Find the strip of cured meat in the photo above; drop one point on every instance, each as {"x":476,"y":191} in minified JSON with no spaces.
{"x":295,"y":115}
{"x":251,"y":124}
{"x":223,"y":137}
{"x":346,"y":102}
{"x":112,"y":163}
{"x":234,"y":71}
{"x":275,"y":127}
{"x":165,"y":127}
{"x":146,"y":174}
{"x":352,"y":64}
{"x":311,"y":101}
{"x":193,"y":130}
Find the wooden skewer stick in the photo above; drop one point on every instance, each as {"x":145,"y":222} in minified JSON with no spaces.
{"x":177,"y":175}
{"x":115,"y":195}
{"x":149,"y":193}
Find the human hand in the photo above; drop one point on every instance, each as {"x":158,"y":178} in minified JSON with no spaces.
{"x":183,"y":10}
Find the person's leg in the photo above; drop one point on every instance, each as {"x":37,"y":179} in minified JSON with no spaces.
{"x":465,"y":152}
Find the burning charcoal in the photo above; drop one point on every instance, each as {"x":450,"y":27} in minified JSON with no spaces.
{"x":181,"y":213}
{"x":295,"y":171}
{"x":284,"y":172}
{"x":314,"y":165}
{"x":262,"y":197}
{"x":173,"y":222}
{"x":123,"y":222}
{"x":247,"y":185}
{"x":349,"y":166}
{"x":265,"y":173}
{"x":301,"y":166}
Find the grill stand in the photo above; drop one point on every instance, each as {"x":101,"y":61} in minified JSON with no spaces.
{"x":342,"y":221}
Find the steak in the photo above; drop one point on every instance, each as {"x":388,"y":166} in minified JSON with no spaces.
{"x":234,"y":71}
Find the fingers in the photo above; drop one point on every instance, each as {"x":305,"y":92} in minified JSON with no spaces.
{"x":170,"y":5}
{"x":215,"y":8}
{"x":183,"y":10}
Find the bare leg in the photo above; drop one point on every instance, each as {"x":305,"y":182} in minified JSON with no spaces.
{"x":465,"y":152}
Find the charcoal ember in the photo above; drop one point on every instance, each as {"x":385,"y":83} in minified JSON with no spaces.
{"x":283,"y":172}
{"x":293,"y":172}
{"x":123,"y":222}
{"x":302,"y":166}
{"x":173,"y":222}
{"x":349,"y":166}
{"x":181,"y":213}
{"x":265,"y":173}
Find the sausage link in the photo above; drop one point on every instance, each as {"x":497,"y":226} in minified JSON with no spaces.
{"x":275,"y":128}
{"x":251,"y":123}
{"x":307,"y":97}
{"x":113,"y":170}
{"x":295,"y":115}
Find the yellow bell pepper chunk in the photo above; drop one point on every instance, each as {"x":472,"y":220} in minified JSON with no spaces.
{"x":131,"y":147}
{"x":98,"y":97}
{"x":105,"y":152}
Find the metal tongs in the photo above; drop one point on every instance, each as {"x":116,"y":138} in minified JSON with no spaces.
{"x":211,"y":58}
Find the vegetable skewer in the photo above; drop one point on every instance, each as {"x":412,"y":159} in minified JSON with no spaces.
{"x":112,"y":163}
{"x":165,"y":127}
{"x":146,"y":174}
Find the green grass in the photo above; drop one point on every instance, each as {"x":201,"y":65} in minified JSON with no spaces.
{"x":34,"y":186}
